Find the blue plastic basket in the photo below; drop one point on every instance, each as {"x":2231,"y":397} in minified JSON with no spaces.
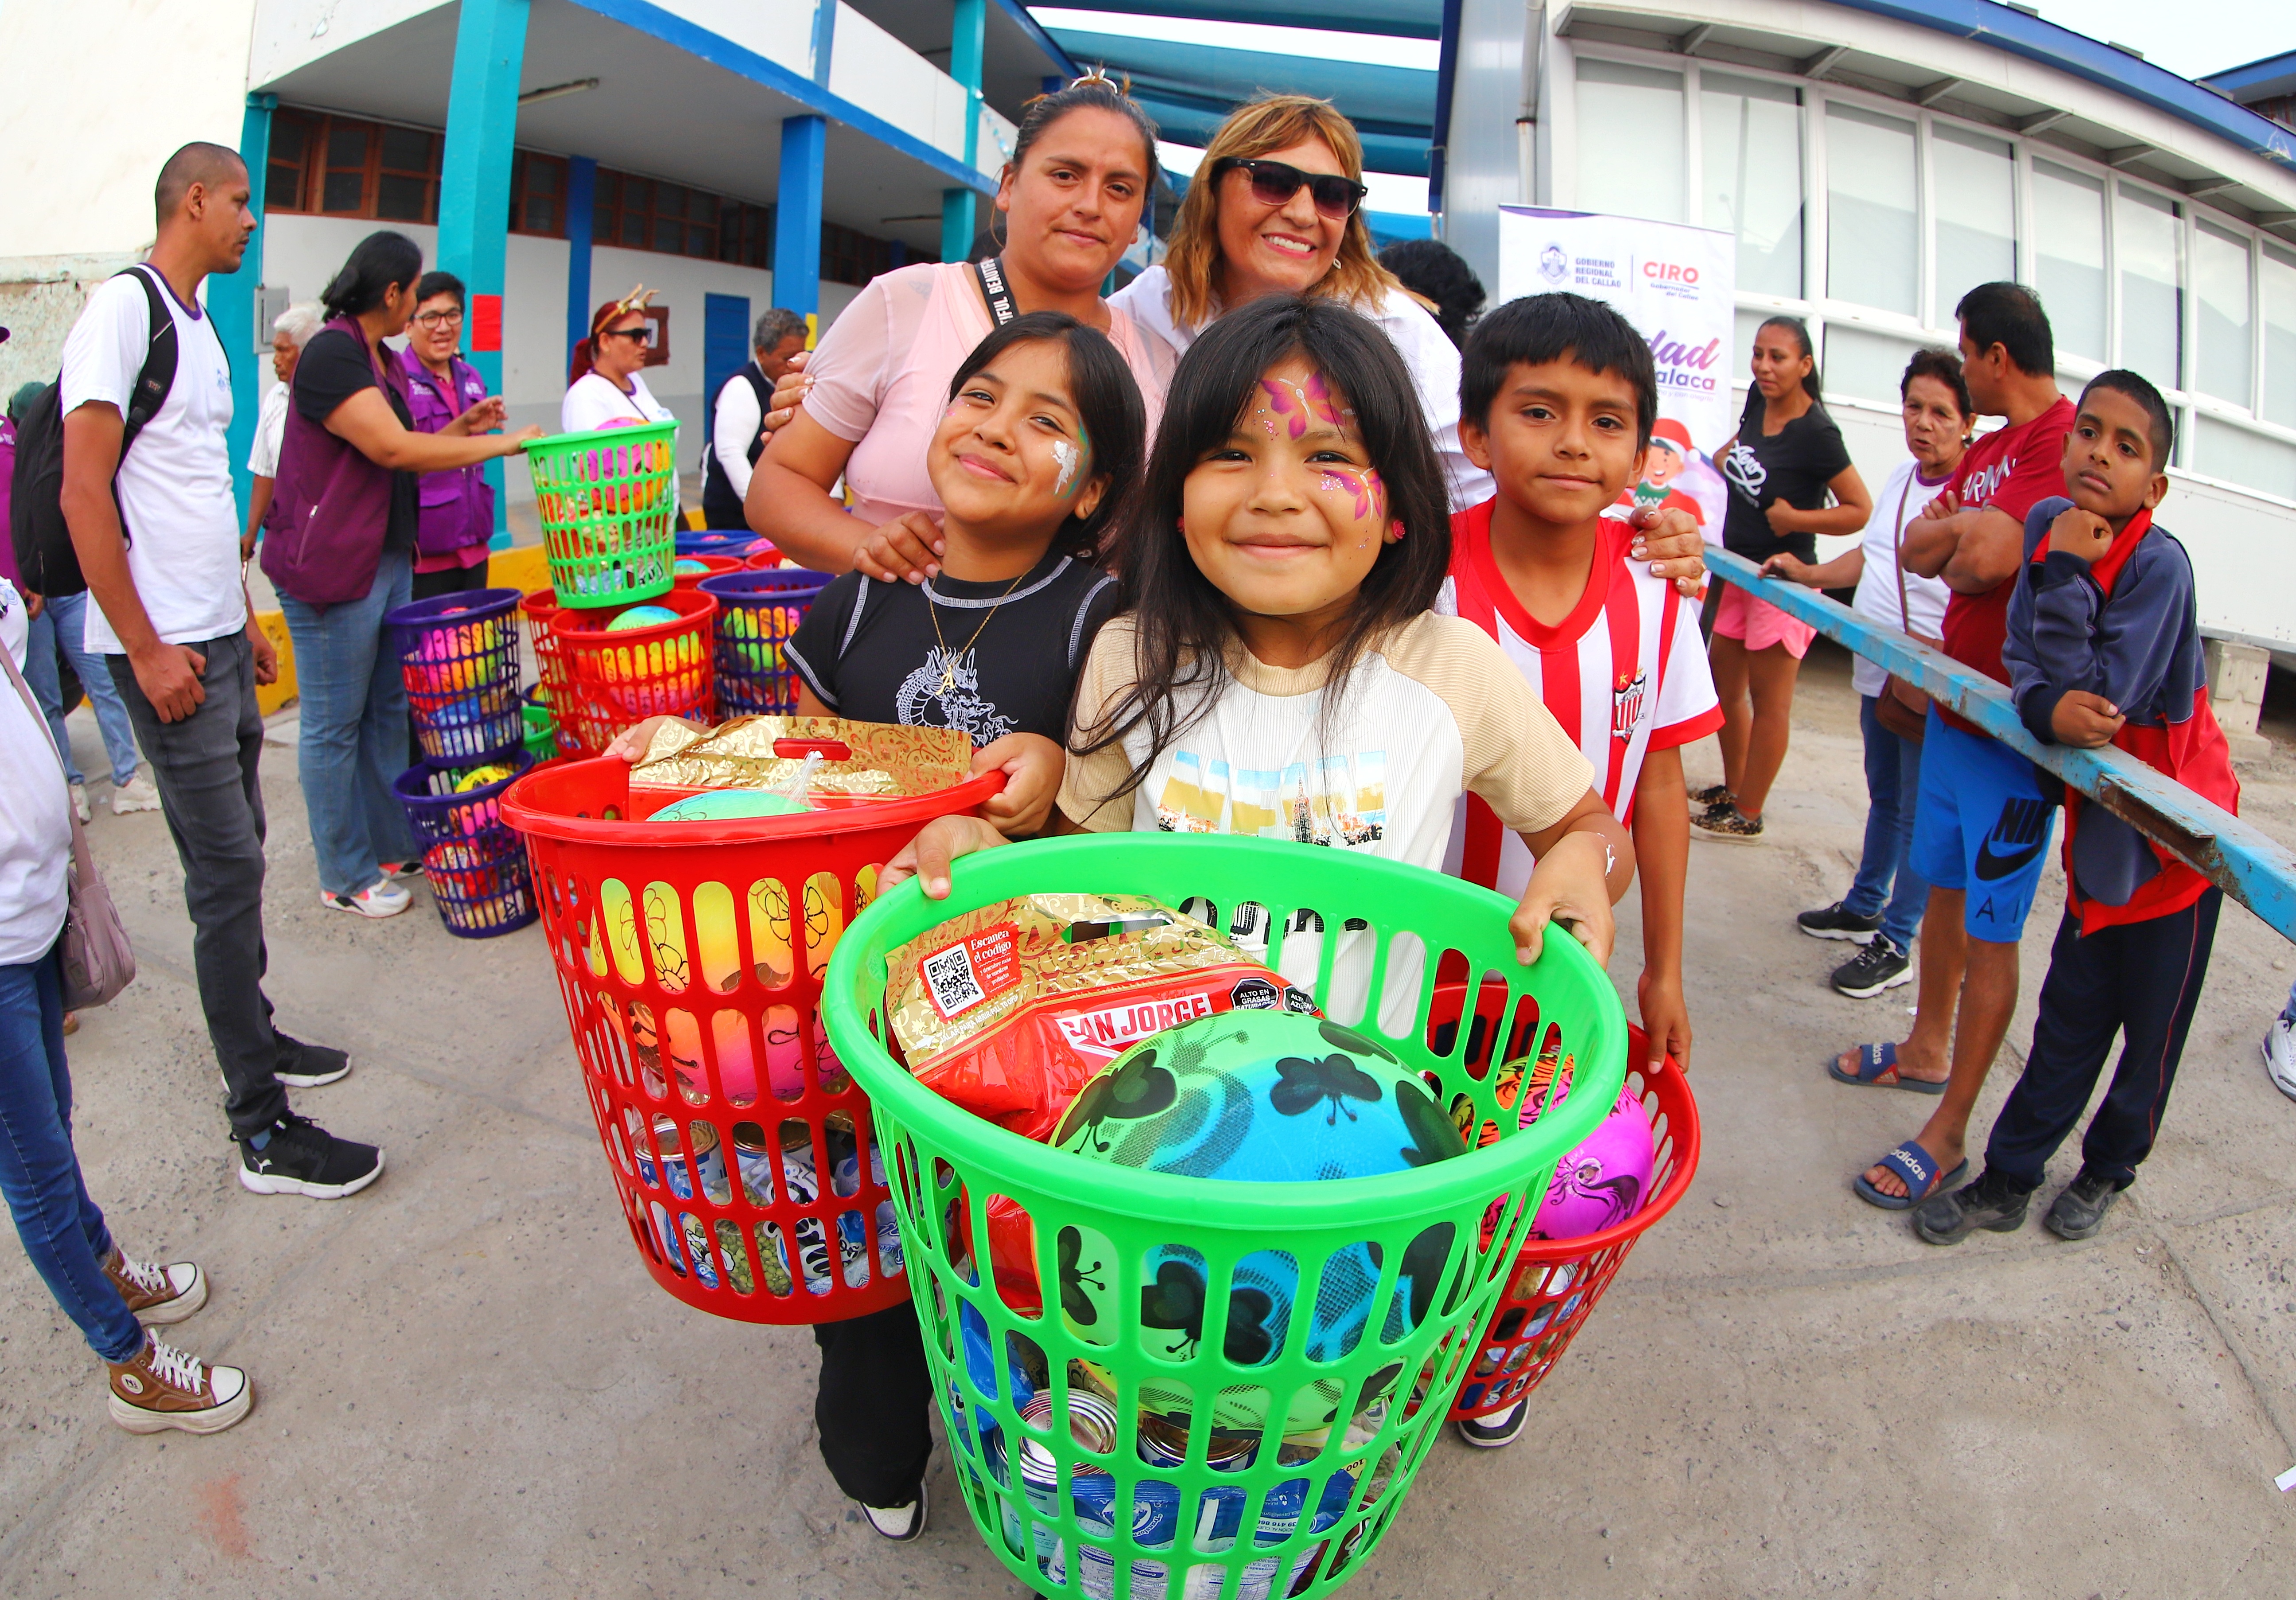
{"x":716,"y":542}
{"x":482,"y":887}
{"x":458,"y":656}
{"x":441,"y":814}
{"x":756,"y":613}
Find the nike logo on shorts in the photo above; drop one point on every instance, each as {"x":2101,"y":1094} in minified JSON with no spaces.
{"x":2023,"y":827}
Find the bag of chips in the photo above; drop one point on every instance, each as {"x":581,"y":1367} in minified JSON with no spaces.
{"x":1009,"y":1010}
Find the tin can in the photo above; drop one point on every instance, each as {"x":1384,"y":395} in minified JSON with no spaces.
{"x":813,"y":1255}
{"x":710,"y":1164}
{"x":756,"y":1166}
{"x":674,"y":1170}
{"x":697,"y":1242}
{"x":1092,"y":1421}
{"x":891,"y":1259}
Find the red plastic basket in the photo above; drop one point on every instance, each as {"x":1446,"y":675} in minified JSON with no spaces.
{"x":1557,"y":1282}
{"x":763,"y":557}
{"x":685,"y":973}
{"x":711,"y":566}
{"x":614,"y":679}
{"x":539,"y":608}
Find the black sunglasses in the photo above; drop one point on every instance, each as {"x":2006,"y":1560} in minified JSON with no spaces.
{"x":1272,"y":183}
{"x":642,"y":333}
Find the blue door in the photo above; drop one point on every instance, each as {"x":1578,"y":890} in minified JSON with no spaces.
{"x":724,"y":340}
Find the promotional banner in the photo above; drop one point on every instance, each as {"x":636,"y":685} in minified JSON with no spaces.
{"x":1678,"y":286}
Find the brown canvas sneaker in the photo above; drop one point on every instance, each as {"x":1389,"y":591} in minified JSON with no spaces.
{"x":165,"y":1387}
{"x":157,"y":1294}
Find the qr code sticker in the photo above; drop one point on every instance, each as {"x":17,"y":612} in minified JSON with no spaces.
{"x":954,"y":989}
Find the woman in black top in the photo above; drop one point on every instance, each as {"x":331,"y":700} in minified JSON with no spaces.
{"x":343,"y":559}
{"x":1783,"y":463}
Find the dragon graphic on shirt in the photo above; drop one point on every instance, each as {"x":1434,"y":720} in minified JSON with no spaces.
{"x":922,"y":702}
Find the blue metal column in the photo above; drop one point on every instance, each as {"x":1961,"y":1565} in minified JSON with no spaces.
{"x":967,"y":40}
{"x":581,"y":197}
{"x":796,"y":215}
{"x":231,"y":300}
{"x":474,"y":185}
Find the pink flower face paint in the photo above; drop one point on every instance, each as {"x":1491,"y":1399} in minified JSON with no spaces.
{"x":1361,"y":482}
{"x":1290,"y":408}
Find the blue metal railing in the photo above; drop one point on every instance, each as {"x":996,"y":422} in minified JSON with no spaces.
{"x":2256,"y":870}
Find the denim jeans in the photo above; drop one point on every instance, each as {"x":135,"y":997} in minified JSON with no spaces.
{"x":68,"y":615}
{"x":205,"y":768}
{"x":61,"y":1229}
{"x":1893,"y":777}
{"x":354,"y":729}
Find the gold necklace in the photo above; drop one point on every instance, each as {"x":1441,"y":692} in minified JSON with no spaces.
{"x":947,"y":661}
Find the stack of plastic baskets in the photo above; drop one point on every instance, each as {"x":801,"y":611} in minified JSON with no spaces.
{"x":1072,"y":1486}
{"x":758,"y":612}
{"x":616,"y":677}
{"x":689,"y":571}
{"x":608,"y":503}
{"x":541,"y":726}
{"x":1556,"y":1283}
{"x":763,"y":557}
{"x":691,"y":957}
{"x":539,"y":609}
{"x":475,"y":863}
{"x":458,"y":655}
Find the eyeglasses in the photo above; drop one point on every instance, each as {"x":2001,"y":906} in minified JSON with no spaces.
{"x":439,"y":319}
{"x":642,"y":333}
{"x":1274,"y":183}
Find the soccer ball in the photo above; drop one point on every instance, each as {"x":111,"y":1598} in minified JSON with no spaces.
{"x":1605,"y":1180}
{"x":717,"y":805}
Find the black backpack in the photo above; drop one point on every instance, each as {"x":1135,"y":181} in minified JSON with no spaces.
{"x":35,"y":518}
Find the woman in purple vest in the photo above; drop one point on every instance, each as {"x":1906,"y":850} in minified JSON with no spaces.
{"x":340,"y":554}
{"x":455,"y":508}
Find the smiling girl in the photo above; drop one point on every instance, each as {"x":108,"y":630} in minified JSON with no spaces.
{"x":1277,"y":670}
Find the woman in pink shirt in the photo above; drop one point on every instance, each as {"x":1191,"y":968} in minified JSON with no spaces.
{"x":1069,"y":202}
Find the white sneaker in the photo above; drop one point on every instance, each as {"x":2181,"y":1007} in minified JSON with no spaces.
{"x":900,"y":1523}
{"x":2280,"y":1056}
{"x":80,"y":803}
{"x":136,"y":794}
{"x":378,"y":899}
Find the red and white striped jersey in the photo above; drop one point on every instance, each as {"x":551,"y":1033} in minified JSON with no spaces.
{"x":1624,"y":674}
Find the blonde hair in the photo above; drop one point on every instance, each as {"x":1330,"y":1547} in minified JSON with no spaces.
{"x":1275,"y":122}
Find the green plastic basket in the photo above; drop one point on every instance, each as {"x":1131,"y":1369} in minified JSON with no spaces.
{"x":541,"y":731}
{"x":608,"y":503}
{"x":1287,"y":1514}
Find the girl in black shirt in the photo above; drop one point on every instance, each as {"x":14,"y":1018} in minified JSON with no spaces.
{"x":1786,"y":459}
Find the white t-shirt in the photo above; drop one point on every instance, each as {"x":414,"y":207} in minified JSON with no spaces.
{"x":593,"y":402}
{"x":1900,"y":501}
{"x":270,"y":433}
{"x":1427,"y":351}
{"x":35,"y":810}
{"x":733,"y":425}
{"x":175,"y":485}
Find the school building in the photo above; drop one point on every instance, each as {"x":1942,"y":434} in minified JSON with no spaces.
{"x":1876,"y":158}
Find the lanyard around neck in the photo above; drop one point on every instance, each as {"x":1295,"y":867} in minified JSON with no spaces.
{"x":990,"y":272}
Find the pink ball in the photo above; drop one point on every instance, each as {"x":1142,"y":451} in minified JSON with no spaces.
{"x":1605,"y":1180}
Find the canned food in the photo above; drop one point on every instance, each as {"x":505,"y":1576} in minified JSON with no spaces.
{"x":710,"y":1164}
{"x":751,"y":1160}
{"x":705,"y":1265}
{"x":673,"y":1156}
{"x":1092,"y":1419}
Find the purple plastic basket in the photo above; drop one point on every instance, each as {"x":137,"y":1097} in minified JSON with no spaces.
{"x":756,"y":613}
{"x":439,"y":815}
{"x":715,"y":542}
{"x":458,"y":656}
{"x":482,"y":886}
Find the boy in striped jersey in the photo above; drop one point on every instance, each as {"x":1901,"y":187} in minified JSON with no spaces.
{"x":1559,"y":400}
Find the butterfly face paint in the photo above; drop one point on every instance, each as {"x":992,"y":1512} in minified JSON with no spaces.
{"x":1287,"y":409}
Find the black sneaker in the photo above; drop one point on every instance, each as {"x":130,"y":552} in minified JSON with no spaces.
{"x":1710,"y":797}
{"x":1880,"y":965}
{"x":1837,"y":921}
{"x":2079,"y":1208}
{"x":303,"y":1066}
{"x":1724,"y":820}
{"x":1499,"y":1430}
{"x":303,"y":1158}
{"x":1992,"y":1202}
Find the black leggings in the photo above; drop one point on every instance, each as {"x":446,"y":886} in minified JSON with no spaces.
{"x":871,"y":1408}
{"x":449,"y":580}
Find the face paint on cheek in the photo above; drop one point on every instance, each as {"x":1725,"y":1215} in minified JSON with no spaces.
{"x":1070,"y":458}
{"x":1363,"y":483}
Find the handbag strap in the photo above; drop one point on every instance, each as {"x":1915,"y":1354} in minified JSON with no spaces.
{"x":83,"y":859}
{"x":1904,"y":606}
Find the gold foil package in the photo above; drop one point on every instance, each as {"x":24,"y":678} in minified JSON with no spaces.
{"x":756,"y":753}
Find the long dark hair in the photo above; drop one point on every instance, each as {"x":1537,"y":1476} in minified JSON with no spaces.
{"x":1092,"y":92}
{"x":379,"y":263}
{"x":1108,"y":404}
{"x":1184,"y":626}
{"x":1811,"y":385}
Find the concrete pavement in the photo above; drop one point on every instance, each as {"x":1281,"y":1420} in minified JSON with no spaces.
{"x":468,"y":1387}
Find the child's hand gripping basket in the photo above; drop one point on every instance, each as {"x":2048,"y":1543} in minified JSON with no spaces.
{"x":1556,"y":1283}
{"x":1151,"y":1462}
{"x":690,"y":956}
{"x":608,"y":503}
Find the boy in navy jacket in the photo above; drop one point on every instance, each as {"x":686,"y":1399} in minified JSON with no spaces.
{"x":2104,"y":648}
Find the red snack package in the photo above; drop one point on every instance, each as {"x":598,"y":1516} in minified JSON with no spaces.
{"x":1010,"y":1010}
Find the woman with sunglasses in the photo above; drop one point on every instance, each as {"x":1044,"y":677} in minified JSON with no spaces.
{"x":455,"y":508}
{"x":1277,"y":208}
{"x":1068,"y":204}
{"x":604,"y":389}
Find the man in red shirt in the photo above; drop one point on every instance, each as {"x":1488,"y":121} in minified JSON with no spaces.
{"x":1983,"y":822}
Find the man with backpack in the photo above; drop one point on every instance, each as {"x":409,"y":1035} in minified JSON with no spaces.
{"x":144,"y":487}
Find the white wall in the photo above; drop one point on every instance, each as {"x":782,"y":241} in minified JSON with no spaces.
{"x":780,"y":30}
{"x":301,"y":253}
{"x":878,"y":73}
{"x":289,"y":34}
{"x":84,"y":150}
